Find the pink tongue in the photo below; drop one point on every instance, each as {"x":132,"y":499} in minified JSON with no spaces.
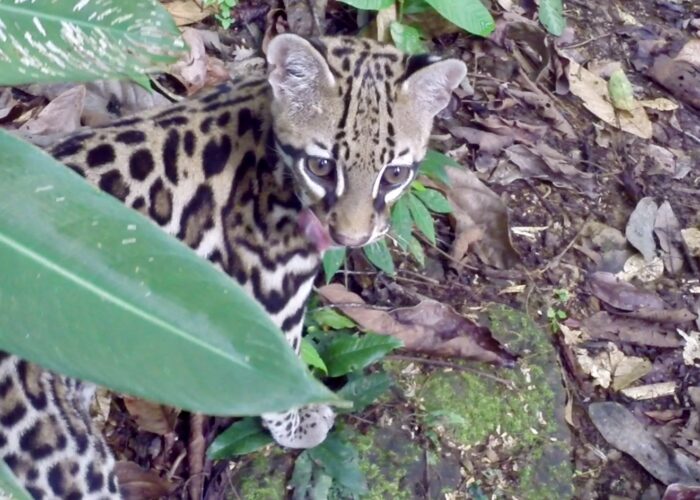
{"x":314,"y":231}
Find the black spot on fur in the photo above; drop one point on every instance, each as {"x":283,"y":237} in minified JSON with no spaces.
{"x":170,"y":154}
{"x":13,"y":416}
{"x":112,"y":482}
{"x":100,"y":155}
{"x":161,"y":205}
{"x":57,"y":481}
{"x":190,"y":142}
{"x":95,"y":479}
{"x":141,"y":164}
{"x":127,"y":122}
{"x":5,"y":385}
{"x":67,"y":148}
{"x":31,"y":442}
{"x":113,"y":183}
{"x":205,"y":126}
{"x":174,"y":121}
{"x":30,"y":384}
{"x":36,"y":493}
{"x":246,"y":122}
{"x":130,"y":137}
{"x":215,"y":155}
{"x":197,"y":216}
{"x":223,"y":119}
{"x":138,"y":203}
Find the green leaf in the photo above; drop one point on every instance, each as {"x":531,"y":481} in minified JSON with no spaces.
{"x":241,"y":438}
{"x":364,"y":390}
{"x":434,"y":200}
{"x":415,"y":7}
{"x":310,"y":356}
{"x":10,"y":488}
{"x":401,"y":222}
{"x":332,"y":261}
{"x":94,"y":290}
{"x":340,"y":461}
{"x":326,"y":316}
{"x":369,"y":4}
{"x":433,"y":165}
{"x":78,"y":41}
{"x":347,"y":353}
{"x":470,"y":15}
{"x":552,"y":16}
{"x":407,"y":38}
{"x":379,"y":255}
{"x":416,"y":250}
{"x":421,"y":216}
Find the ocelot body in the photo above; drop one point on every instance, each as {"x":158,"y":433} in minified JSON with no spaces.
{"x":259,"y":176}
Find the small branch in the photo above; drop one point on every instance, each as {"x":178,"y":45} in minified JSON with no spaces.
{"x":447,"y":364}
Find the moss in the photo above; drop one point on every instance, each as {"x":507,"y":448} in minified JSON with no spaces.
{"x":263,"y":475}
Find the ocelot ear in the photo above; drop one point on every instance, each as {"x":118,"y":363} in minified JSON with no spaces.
{"x":431,"y":86}
{"x":299,"y":71}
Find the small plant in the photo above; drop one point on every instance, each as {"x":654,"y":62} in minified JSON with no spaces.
{"x":224,"y":9}
{"x":555,"y":313}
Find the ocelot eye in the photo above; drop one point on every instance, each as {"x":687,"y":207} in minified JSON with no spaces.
{"x":395,"y":175}
{"x":320,"y":167}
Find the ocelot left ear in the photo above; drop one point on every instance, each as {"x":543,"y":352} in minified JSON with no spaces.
{"x":430,"y":87}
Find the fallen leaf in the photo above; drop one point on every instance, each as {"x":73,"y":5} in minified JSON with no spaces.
{"x":429,"y":327}
{"x":659,"y":104}
{"x":681,"y":492}
{"x":691,"y":238}
{"x":637,"y":267}
{"x":668,"y":231}
{"x":650,"y":391}
{"x":187,"y":11}
{"x":197,"y":69}
{"x":547,"y":108}
{"x":619,"y":428}
{"x":136,"y":483}
{"x":611,"y":367}
{"x":61,"y":115}
{"x":151,"y":417}
{"x":629,"y":330}
{"x":488,"y":142}
{"x":622,"y":295}
{"x":593,"y":91}
{"x":691,"y":349}
{"x":475,"y":206}
{"x":680,"y":74}
{"x":640,"y":227}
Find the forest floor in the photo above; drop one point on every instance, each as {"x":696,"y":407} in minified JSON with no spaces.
{"x":574,"y":244}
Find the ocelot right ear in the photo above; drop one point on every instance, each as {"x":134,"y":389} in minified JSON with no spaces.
{"x":299,"y":71}
{"x":430,"y":87}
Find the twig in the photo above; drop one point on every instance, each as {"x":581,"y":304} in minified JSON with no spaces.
{"x":561,"y":254}
{"x":586,"y":42}
{"x":195,"y":456}
{"x":447,"y":364}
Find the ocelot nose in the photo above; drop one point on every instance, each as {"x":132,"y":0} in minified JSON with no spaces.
{"x":348,"y":240}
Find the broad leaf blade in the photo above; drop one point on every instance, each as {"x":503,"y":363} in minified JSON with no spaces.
{"x":401,"y":222}
{"x":434,"y":200}
{"x":369,"y":4}
{"x":311,"y":357}
{"x":421,"y":216}
{"x":364,"y":390}
{"x":433,"y":165}
{"x":407,"y":38}
{"x":348,"y":353}
{"x":94,"y":290}
{"x":379,"y":255}
{"x":332,"y":261}
{"x":10,"y":487}
{"x":241,"y":438}
{"x":77,"y":41}
{"x":470,"y":15}
{"x":552,"y":16}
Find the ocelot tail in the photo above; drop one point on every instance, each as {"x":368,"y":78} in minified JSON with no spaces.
{"x":259,"y":176}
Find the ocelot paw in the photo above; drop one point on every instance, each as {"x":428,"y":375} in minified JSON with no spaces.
{"x":304,"y":427}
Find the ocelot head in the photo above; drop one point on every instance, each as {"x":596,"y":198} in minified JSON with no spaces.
{"x":351,"y":119}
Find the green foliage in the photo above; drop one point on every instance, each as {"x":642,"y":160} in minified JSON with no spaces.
{"x":407,"y":38}
{"x":552,"y":16}
{"x":330,"y":318}
{"x":470,"y":15}
{"x":224,"y":11}
{"x":311,"y":357}
{"x":555,"y":313}
{"x":241,"y":438}
{"x":363,"y":390}
{"x":433,"y":166}
{"x":378,"y":254}
{"x":369,"y":4}
{"x":333,"y":260}
{"x":345,"y":353}
{"x":421,"y":217}
{"x":94,"y":280}
{"x":109,"y":39}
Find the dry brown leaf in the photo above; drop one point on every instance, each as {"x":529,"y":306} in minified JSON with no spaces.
{"x":611,"y":367}
{"x":629,"y":330}
{"x":622,"y":295}
{"x":681,"y":74}
{"x":429,"y":327}
{"x":593,"y":91}
{"x":650,"y":391}
{"x":61,"y":115}
{"x":197,"y":69}
{"x":691,"y":237}
{"x":659,"y":104}
{"x":151,"y":417}
{"x":548,"y":109}
{"x":136,"y":483}
{"x":476,"y":206}
{"x":187,"y":11}
{"x":488,"y":142}
{"x":668,"y":231}
{"x":640,"y":227}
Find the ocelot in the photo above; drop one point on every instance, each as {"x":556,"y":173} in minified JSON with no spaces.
{"x":259,"y":176}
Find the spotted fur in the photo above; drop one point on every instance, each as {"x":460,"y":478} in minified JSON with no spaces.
{"x":334,"y":128}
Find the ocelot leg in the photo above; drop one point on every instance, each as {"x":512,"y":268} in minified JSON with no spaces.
{"x":303,"y":427}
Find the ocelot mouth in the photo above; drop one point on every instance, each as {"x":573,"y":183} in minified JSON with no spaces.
{"x":314,"y":230}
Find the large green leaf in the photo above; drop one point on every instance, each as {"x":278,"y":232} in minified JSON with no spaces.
{"x":333,"y":260}
{"x":421,"y":216}
{"x":71,"y":40}
{"x":379,"y":255}
{"x":94,"y":290}
{"x":401,"y":222}
{"x":434,"y":200}
{"x":347,"y":353}
{"x":407,"y":38}
{"x":364,"y":390}
{"x":241,"y":438}
{"x":433,"y":165}
{"x":552,"y":16}
{"x":470,"y":15}
{"x":369,"y":4}
{"x":339,"y":459}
